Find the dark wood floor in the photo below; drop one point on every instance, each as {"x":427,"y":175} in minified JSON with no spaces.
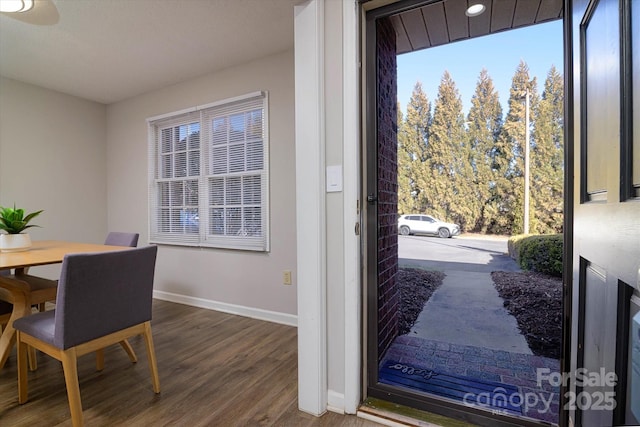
{"x":215,"y":369}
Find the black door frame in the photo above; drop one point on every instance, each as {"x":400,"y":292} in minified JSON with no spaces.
{"x":420,"y":400}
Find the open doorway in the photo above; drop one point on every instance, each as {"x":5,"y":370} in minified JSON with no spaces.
{"x":443,"y":361}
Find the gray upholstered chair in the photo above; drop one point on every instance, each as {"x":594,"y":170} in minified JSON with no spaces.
{"x":117,"y":238}
{"x":102,"y":299}
{"x":46,"y":289}
{"x":41,"y":290}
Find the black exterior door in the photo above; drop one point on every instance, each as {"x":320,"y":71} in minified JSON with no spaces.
{"x":606,"y":208}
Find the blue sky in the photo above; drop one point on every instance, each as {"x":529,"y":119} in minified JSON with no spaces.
{"x":540,"y":46}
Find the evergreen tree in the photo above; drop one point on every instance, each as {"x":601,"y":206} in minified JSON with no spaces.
{"x":413,"y":150}
{"x":484,"y":126}
{"x":450,"y":187}
{"x":511,"y":149}
{"x":473,"y":173}
{"x":547,"y":164}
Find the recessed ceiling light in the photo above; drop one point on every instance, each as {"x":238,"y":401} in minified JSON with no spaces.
{"x":15,"y":5}
{"x":475,"y":9}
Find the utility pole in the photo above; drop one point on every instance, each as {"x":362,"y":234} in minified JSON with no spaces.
{"x":526,"y":164}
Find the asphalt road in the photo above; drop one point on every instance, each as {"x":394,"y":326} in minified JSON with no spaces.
{"x":459,"y":253}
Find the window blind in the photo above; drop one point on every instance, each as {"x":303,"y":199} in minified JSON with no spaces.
{"x":209,"y":176}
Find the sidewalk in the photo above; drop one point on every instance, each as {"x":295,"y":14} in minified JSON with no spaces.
{"x":465,"y":331}
{"x":465,"y":343}
{"x":467,"y":310}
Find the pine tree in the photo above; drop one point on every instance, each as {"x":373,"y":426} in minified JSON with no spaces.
{"x":413,"y":150}
{"x":451,"y":175}
{"x":484,"y":126}
{"x":511,"y":154}
{"x":547,"y":164}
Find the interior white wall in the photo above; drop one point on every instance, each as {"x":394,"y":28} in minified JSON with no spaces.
{"x":250,"y":282}
{"x":52,"y":157}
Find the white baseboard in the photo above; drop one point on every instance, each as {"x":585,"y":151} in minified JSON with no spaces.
{"x":335,"y":402}
{"x":254,"y":313}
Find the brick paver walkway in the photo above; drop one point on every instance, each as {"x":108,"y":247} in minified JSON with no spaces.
{"x":515,"y":369}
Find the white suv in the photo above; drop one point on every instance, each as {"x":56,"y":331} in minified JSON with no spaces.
{"x":426,"y":224}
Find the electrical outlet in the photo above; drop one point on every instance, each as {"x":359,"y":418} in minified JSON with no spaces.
{"x":286,"y":277}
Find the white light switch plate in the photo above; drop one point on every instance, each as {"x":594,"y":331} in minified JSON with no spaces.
{"x":334,"y":178}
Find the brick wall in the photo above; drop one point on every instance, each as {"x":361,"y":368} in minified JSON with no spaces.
{"x":388,"y":292}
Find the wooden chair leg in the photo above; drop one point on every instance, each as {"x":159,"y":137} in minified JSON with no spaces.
{"x":127,"y":347}
{"x":33,"y":361}
{"x":22,"y":371}
{"x":70,"y":368}
{"x":100,"y":359}
{"x":151,"y":356}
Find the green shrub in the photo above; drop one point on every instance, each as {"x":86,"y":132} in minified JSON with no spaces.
{"x":541,"y":253}
{"x":513,"y":246}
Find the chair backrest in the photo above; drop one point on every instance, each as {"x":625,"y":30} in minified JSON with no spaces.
{"x":100,"y":293}
{"x":117,"y":238}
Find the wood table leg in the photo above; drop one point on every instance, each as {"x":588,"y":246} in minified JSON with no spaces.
{"x":21,"y":308}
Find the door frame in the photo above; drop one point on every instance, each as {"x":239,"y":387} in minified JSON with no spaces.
{"x":314,"y":365}
{"x":311,"y":227}
{"x":569,"y":329}
{"x":373,"y":388}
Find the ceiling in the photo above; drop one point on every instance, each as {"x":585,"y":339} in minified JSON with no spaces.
{"x":110,"y":50}
{"x":445,"y":22}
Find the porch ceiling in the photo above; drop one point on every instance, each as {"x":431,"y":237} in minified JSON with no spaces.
{"x":445,"y":22}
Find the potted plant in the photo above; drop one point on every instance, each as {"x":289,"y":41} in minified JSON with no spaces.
{"x":14,"y":222}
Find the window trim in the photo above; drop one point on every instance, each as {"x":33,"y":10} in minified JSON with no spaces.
{"x":201,"y":114}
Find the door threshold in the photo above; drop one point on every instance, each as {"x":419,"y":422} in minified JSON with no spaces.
{"x":395,"y":415}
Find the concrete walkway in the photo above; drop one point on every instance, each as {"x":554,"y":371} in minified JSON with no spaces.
{"x":467,"y":310}
{"x":464,"y":328}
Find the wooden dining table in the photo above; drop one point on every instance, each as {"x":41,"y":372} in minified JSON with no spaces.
{"x":17,"y":292}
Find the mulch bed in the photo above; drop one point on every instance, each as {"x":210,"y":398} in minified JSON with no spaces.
{"x":416,"y":287}
{"x":535,"y":300}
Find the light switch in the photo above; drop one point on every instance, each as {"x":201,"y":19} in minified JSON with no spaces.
{"x":334,"y":178}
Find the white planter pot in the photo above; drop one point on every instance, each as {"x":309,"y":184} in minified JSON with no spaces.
{"x":14,"y":242}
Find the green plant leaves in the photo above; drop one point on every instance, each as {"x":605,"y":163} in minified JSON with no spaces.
{"x":538,"y":252}
{"x":13,"y":221}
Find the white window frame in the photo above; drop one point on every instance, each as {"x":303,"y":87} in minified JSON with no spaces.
{"x":227,"y":161}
